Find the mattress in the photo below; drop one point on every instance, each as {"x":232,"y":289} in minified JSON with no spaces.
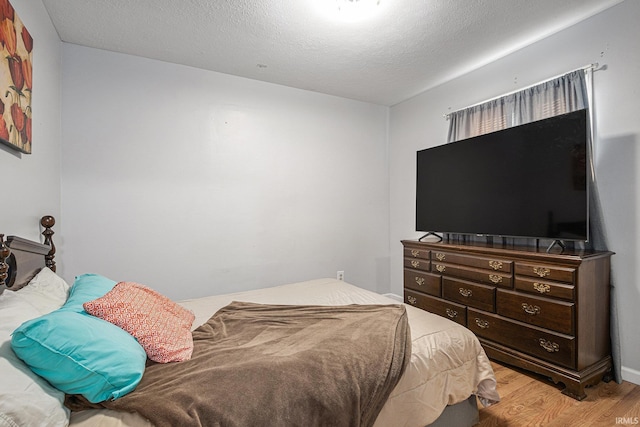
{"x":447,"y":364}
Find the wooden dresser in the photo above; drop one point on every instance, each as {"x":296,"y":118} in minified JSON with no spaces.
{"x":544,"y":312}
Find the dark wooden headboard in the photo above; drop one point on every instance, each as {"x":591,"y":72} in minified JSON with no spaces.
{"x":21,"y":259}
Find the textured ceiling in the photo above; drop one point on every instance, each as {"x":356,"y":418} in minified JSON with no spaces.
{"x":401,"y":49}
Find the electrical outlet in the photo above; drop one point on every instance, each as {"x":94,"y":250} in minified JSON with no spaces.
{"x":340,"y":275}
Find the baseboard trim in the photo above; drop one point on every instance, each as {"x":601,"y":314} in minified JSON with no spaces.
{"x":630,"y":375}
{"x":394,"y":296}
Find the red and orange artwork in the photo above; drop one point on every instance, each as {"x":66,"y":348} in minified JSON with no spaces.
{"x":16,"y":80}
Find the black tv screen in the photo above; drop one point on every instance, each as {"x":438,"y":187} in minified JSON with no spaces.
{"x":525,"y":181}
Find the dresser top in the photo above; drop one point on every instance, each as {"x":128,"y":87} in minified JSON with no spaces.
{"x":556,"y":253}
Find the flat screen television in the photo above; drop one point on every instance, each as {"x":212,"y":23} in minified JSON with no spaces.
{"x":525,"y":181}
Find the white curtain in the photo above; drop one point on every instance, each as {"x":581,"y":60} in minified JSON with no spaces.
{"x":570,"y":92}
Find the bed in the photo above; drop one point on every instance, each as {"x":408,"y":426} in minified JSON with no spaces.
{"x":439,"y":383}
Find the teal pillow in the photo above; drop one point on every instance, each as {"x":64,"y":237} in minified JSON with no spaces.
{"x":79,"y":353}
{"x":87,"y":287}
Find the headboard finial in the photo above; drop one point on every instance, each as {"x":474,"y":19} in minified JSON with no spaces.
{"x":4,"y":254}
{"x":48,"y":222}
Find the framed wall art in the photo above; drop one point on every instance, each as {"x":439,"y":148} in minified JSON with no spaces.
{"x":16,"y":80}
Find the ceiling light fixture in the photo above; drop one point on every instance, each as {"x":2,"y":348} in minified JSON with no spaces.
{"x":347,"y":4}
{"x":349,"y":10}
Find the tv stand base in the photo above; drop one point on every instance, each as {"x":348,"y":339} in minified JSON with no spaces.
{"x":431,"y":233}
{"x":557,"y":242}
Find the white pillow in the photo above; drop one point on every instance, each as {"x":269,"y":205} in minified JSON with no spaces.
{"x":25,"y":398}
{"x":45,"y":292}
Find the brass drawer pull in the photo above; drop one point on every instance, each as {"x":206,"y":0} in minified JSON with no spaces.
{"x":541,"y":271}
{"x":465,"y":292}
{"x":551,"y":347}
{"x":451,"y":313}
{"x":412,"y":300}
{"x":415,"y":264}
{"x":496,"y":265}
{"x":530,"y":309}
{"x":441,"y":268}
{"x":415,"y":252}
{"x":541,"y":287}
{"x":495,"y":278}
{"x":440,"y":256}
{"x":482,"y":323}
{"x":420,"y":281}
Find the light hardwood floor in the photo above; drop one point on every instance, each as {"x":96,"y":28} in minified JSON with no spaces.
{"x":531,"y":400}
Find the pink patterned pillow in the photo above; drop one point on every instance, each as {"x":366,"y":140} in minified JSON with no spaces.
{"x":162,"y":327}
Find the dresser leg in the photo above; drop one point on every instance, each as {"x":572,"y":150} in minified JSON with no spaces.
{"x":599,"y":372}
{"x":574,"y":390}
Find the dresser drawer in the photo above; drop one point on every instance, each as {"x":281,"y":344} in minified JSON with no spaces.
{"x":423,"y":282}
{"x":494,"y":264}
{"x":411,"y":252}
{"x":552,"y":347}
{"x":546,"y":288}
{"x":543,"y":312}
{"x":417,"y":264}
{"x":484,"y":276}
{"x":469,"y":293}
{"x":450,"y":310}
{"x":547,"y":272}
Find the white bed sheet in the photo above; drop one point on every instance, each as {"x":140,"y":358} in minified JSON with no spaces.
{"x":447,"y":365}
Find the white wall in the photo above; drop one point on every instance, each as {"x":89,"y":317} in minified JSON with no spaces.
{"x":610,"y":39}
{"x":195,"y":182}
{"x":31,"y":182}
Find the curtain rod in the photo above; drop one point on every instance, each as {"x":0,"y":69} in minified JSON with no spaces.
{"x":593,"y":66}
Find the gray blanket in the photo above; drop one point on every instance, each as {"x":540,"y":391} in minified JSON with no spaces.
{"x":277,"y":365}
